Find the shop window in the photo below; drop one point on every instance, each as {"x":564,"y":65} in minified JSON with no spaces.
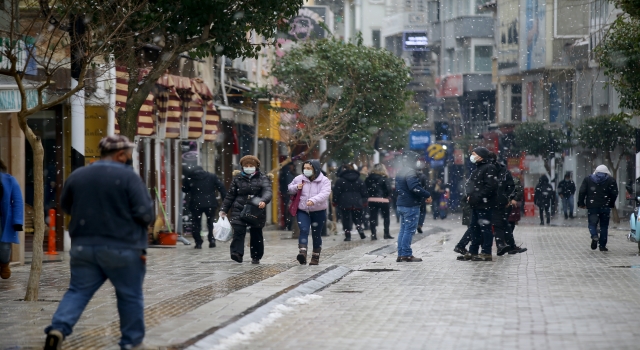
{"x":375,"y":37}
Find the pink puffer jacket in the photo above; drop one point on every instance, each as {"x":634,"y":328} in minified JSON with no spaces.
{"x":317,"y":191}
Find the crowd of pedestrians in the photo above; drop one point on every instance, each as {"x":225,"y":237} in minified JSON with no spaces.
{"x":111,"y":210}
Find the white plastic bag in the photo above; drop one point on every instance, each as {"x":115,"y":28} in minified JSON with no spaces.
{"x":222,"y":230}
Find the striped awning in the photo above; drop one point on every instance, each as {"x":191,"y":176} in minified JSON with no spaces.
{"x":145,"y":115}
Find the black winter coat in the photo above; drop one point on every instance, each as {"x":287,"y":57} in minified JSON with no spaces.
{"x":378,"y":186}
{"x":544,"y":193}
{"x":245,"y":190}
{"x":482,"y":186}
{"x":598,"y":191}
{"x":202,"y":187}
{"x":566,"y":188}
{"x":349,"y":192}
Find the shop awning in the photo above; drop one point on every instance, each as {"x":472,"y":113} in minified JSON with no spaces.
{"x":226,"y":113}
{"x":145,"y":115}
{"x":245,"y":117}
{"x":10,"y":99}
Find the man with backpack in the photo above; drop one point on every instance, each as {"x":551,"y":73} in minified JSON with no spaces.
{"x":543,"y":198}
{"x":598,"y":194}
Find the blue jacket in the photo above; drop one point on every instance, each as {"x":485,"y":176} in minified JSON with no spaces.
{"x":109,"y":205}
{"x":11,"y":208}
{"x":410,"y":192}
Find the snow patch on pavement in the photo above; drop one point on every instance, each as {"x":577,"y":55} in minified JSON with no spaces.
{"x":254,"y":328}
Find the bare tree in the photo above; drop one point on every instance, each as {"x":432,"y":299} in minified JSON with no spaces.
{"x":68,"y":34}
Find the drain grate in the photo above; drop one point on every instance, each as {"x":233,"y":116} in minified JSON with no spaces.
{"x":627,"y":267}
{"x":44,"y":300}
{"x":347,"y":291}
{"x":377,"y":270}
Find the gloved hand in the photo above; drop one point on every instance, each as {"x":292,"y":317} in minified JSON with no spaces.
{"x":17,"y":227}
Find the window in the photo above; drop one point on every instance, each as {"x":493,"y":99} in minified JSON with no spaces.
{"x":516,"y":102}
{"x":464,"y":60}
{"x":450,"y":61}
{"x":434,"y":11}
{"x":375,"y":38}
{"x":482,"y":58}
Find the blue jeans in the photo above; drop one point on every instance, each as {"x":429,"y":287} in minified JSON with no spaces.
{"x":312,"y":221}
{"x":599,"y":215}
{"x":481,"y":231}
{"x":408,"y":225}
{"x":567,"y":203}
{"x":91,"y":266}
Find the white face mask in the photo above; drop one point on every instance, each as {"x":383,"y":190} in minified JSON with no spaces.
{"x":473,"y":159}
{"x":249,"y":170}
{"x":307,"y":173}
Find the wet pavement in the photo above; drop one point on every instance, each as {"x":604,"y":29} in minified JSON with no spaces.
{"x":558,"y":294}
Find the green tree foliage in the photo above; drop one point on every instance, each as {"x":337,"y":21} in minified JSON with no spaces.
{"x":610,"y":137}
{"x":619,"y":55}
{"x":359,"y":88}
{"x":536,"y":138}
{"x":200,"y":28}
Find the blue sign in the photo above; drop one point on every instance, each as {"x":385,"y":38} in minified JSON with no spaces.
{"x":437,"y":163}
{"x":419,"y":140}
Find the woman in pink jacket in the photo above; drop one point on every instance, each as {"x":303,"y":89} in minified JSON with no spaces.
{"x":315,"y":189}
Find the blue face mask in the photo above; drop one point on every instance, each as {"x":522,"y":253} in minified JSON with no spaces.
{"x":249,"y":170}
{"x":473,"y":159}
{"x":308,"y":173}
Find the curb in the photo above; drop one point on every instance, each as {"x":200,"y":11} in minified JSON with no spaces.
{"x":317,"y":283}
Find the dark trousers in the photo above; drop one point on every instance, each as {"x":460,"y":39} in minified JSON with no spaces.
{"x":466,"y":238}
{"x":384,"y":209}
{"x":544,"y":209}
{"x":501,"y":228}
{"x":481,"y":231}
{"x":350,"y":217}
{"x":196,"y":214}
{"x":288,"y":219}
{"x":5,"y":252}
{"x":423,"y":215}
{"x":599,"y":216}
{"x":256,"y":246}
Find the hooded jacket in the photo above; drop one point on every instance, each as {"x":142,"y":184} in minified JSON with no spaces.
{"x":566,"y":188}
{"x":349,"y":191}
{"x":11,"y":208}
{"x":598,"y":191}
{"x":247,"y":189}
{"x":202,"y":187}
{"x":482,"y":186}
{"x":317,"y":191}
{"x":544,"y":193}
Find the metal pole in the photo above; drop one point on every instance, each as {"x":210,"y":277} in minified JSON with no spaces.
{"x":77,"y":127}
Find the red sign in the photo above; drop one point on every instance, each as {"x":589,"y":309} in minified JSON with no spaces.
{"x":449,"y":86}
{"x":458,"y":157}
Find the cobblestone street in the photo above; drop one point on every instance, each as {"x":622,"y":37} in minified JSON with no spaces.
{"x":559,"y":294}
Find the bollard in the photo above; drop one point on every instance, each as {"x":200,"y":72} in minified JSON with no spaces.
{"x":52,"y":233}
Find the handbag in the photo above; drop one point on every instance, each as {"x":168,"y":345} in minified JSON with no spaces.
{"x":251,"y":214}
{"x":294,"y":202}
{"x":514,"y":215}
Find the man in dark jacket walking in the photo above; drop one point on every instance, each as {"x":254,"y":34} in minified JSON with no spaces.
{"x":481,"y":195}
{"x":350,"y":196}
{"x":202,"y":186}
{"x":543,"y":197}
{"x":598,"y":194}
{"x":285,"y":177}
{"x":410,"y":196}
{"x":566,"y":190}
{"x":110,"y":210}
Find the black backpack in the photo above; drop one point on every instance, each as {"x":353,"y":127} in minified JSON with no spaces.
{"x":505,"y":185}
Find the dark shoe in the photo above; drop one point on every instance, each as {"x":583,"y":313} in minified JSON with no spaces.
{"x":54,"y":340}
{"x":465,"y":257}
{"x":347,"y":236}
{"x":302,"y":254}
{"x":461,"y":251}
{"x":374,"y":237}
{"x":315,"y":257}
{"x":516,"y":250}
{"x":483,"y":257}
{"x":419,"y":229}
{"x":255,"y":261}
{"x":411,"y":259}
{"x":542,"y":224}
{"x":503,"y":249}
{"x":604,"y":249}
{"x":212,"y":244}
{"x":5,"y":271}
{"x":400,"y":259}
{"x":566,"y":217}
{"x":388,"y":236}
{"x":594,"y":243}
{"x":198,"y":246}
{"x":236,"y":257}
{"x":361,"y":233}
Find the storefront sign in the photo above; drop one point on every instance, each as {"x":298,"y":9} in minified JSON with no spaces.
{"x":95,"y":128}
{"x":449,"y":86}
{"x":419,"y":140}
{"x":414,"y":41}
{"x":308,"y":24}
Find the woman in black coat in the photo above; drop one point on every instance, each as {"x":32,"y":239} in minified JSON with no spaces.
{"x":379,"y":191}
{"x":249,"y":187}
{"x":350,"y":196}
